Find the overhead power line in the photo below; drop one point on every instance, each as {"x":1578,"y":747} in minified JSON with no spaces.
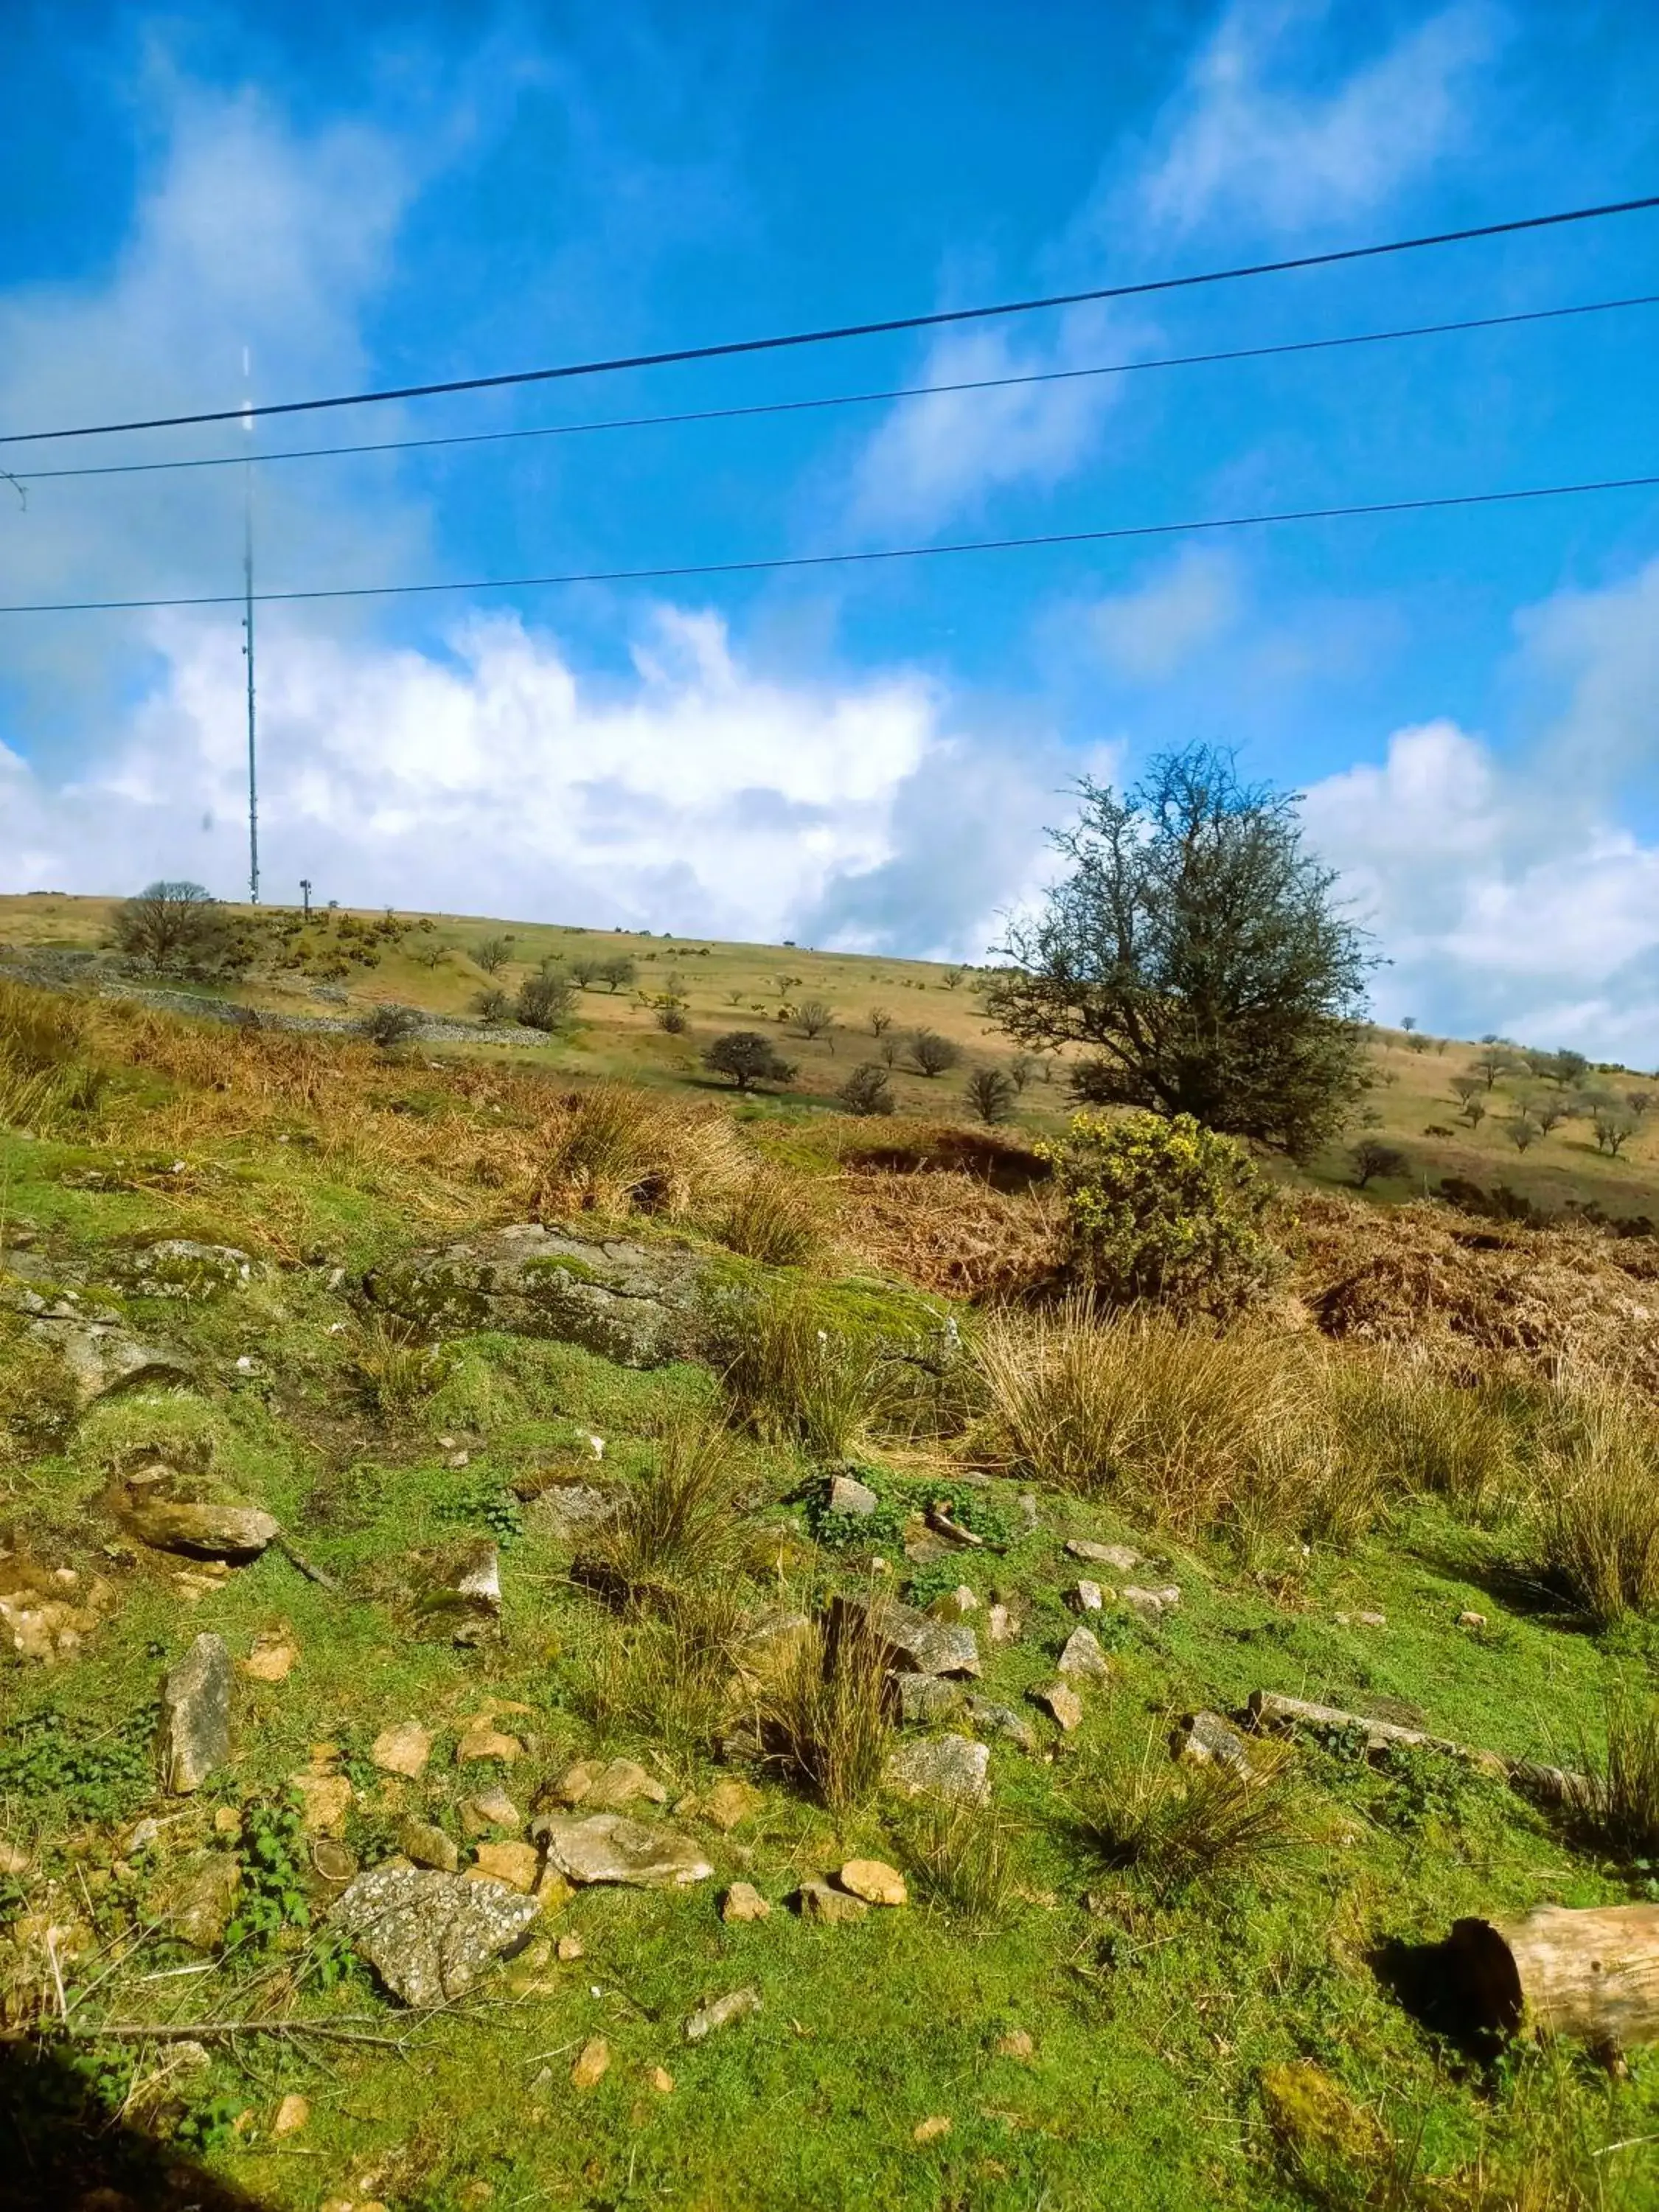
{"x":28,"y":476}
{"x":835,"y":333}
{"x":685,"y":570}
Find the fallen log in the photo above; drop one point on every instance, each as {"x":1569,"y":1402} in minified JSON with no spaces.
{"x":1549,"y":1785}
{"x":1592,"y":1974}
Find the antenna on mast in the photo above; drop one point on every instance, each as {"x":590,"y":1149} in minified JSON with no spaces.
{"x":247,"y":625}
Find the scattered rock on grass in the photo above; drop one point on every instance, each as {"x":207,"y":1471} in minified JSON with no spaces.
{"x":1152,"y":1604}
{"x":605,"y":1847}
{"x":1207,"y":1740}
{"x":193,"y":1740}
{"x":207,"y":1532}
{"x":661,"y":2081}
{"x":1017,"y":2044}
{"x":1083,"y":1660}
{"x":102,"y":1358}
{"x":1471,"y":1619}
{"x":924,"y":1698}
{"x":914,"y":1644}
{"x":516,"y":1864}
{"x":1002,"y":1624}
{"x":849,"y":1496}
{"x":324,"y":1799}
{"x":948,"y":1766}
{"x":429,"y":1936}
{"x":819,"y":1900}
{"x":490,"y":1809}
{"x":607,"y":1789}
{"x":1118,"y":1557}
{"x":1001,"y":1720}
{"x":930,"y":2129}
{"x":744,"y":1902}
{"x":272,"y":1657}
{"x":1362,"y":1620}
{"x":1088,"y":1597}
{"x":954,"y":1605}
{"x":591,"y":2063}
{"x":727,"y":1806}
{"x":201,"y":1897}
{"x":875,"y":1882}
{"x":1061,"y":1701}
{"x":481,"y":1740}
{"x":720,"y":2012}
{"x":428,"y":1846}
{"x":292,"y":2114}
{"x":569,"y":1512}
{"x":403,"y":1749}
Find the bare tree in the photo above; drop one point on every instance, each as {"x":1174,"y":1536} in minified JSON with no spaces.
{"x":1371,"y":1159}
{"x":1465,"y":1088}
{"x":1613,"y":1127}
{"x":932,"y":1053}
{"x":814,"y":1018}
{"x":880,"y":1021}
{"x":1021,"y":1067}
{"x":492,"y":953}
{"x":1639,"y":1102}
{"x":1523,"y":1131}
{"x":1494,"y":1059}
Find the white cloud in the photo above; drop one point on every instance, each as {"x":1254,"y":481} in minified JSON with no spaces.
{"x":1148,"y":633}
{"x":1243,"y":139}
{"x":935,"y":457}
{"x":1507,"y":891}
{"x":700,"y":793}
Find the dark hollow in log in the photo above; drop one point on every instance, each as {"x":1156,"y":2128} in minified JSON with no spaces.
{"x":1591,"y":1973}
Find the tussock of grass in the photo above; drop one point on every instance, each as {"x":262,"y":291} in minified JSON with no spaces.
{"x":665,"y":1672}
{"x":45,"y":1071}
{"x":680,"y":1525}
{"x":615,"y":1150}
{"x":1623,"y":1799}
{"x":1183,"y":1825}
{"x":961,"y":1856}
{"x":1598,"y":1503}
{"x":393,"y":1368}
{"x":794,"y":1379}
{"x":774,"y":1216}
{"x":1423,"y":1435}
{"x":824,"y":1714}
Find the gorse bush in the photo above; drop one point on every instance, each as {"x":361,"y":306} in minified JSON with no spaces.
{"x":1163,"y":1211}
{"x":868,"y":1089}
{"x":748,"y":1058}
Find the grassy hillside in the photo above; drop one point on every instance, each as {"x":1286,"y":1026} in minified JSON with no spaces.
{"x":429,"y":962}
{"x":1418,"y":1485}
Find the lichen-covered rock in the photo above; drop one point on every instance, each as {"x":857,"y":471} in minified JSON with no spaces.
{"x":720,"y":2012}
{"x":1001,"y":1720}
{"x":913,"y":1642}
{"x":569,"y":1512}
{"x":102,"y":1356}
{"x":1207,"y":1740}
{"x":194,"y":1740}
{"x":1083,"y":1660}
{"x":634,"y":1303}
{"x":199,"y":1898}
{"x":428,"y":1936}
{"x":605,"y":1847}
{"x":948,"y":1766}
{"x":178,"y":1267}
{"x":924,"y":1698}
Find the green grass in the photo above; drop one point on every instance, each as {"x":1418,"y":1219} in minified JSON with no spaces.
{"x":1155,"y":1974}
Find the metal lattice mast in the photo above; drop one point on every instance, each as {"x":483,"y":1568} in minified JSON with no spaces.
{"x":247,"y":648}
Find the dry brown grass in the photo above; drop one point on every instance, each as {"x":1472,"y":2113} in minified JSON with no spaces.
{"x":775,"y":1217}
{"x":1598,"y":1501}
{"x":615,"y":1150}
{"x":824,"y":1714}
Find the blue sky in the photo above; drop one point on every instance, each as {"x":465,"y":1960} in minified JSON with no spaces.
{"x":867,"y":757}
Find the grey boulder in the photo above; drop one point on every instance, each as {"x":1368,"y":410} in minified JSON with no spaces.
{"x":911,"y":1642}
{"x":606,"y":1847}
{"x":193,"y":1738}
{"x":429,"y":1936}
{"x":948,"y":1766}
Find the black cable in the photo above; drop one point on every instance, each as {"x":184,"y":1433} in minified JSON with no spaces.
{"x":844,"y":399}
{"x":835,"y":333}
{"x":688,"y":569}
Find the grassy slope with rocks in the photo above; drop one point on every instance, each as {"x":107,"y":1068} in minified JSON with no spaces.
{"x":1119,"y":1981}
{"x":344,"y":964}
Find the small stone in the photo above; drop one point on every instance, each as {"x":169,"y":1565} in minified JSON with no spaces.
{"x":573,"y":1784}
{"x":593,"y":2062}
{"x":1001,"y":1720}
{"x":923,"y":1697}
{"x":605,"y":1847}
{"x":14,"y":1859}
{"x":456,"y":1461}
{"x":948,"y":1766}
{"x":201,"y":1900}
{"x":292,"y":2114}
{"x":1062,"y":1702}
{"x":516,"y":1864}
{"x":481,"y":1741}
{"x":744,"y":1902}
{"x":332,"y":1861}
{"x":428,"y":1846}
{"x":1083,"y":1659}
{"x":1118,"y":1557}
{"x":954,"y":1605}
{"x":661,"y":2081}
{"x":569,"y":1512}
{"x":1470,"y":1620}
{"x":727,"y":1805}
{"x":930,"y":2129}
{"x":1002,"y":1625}
{"x":875,"y":1882}
{"x":1362,"y":1620}
{"x":1026,"y":1505}
{"x":915,"y":1645}
{"x":227,"y":1821}
{"x":325,"y":1800}
{"x":619,"y":1783}
{"x":403,"y":1749}
{"x":194,"y":1737}
{"x":490,"y":1809}
{"x":1207,"y":1740}
{"x":818,"y":1901}
{"x":720,"y":2012}
{"x":1152,"y":1604}
{"x":847,"y":1496}
{"x":568,"y":1949}
{"x":272,"y":1657}
{"x":1088,"y":1597}
{"x":1017,"y":2044}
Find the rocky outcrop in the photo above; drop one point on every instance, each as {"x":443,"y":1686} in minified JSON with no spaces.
{"x":635,"y":1304}
{"x":194,"y":1740}
{"x":429,"y":1936}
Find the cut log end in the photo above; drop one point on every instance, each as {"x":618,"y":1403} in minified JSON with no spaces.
{"x":1591,"y":1974}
